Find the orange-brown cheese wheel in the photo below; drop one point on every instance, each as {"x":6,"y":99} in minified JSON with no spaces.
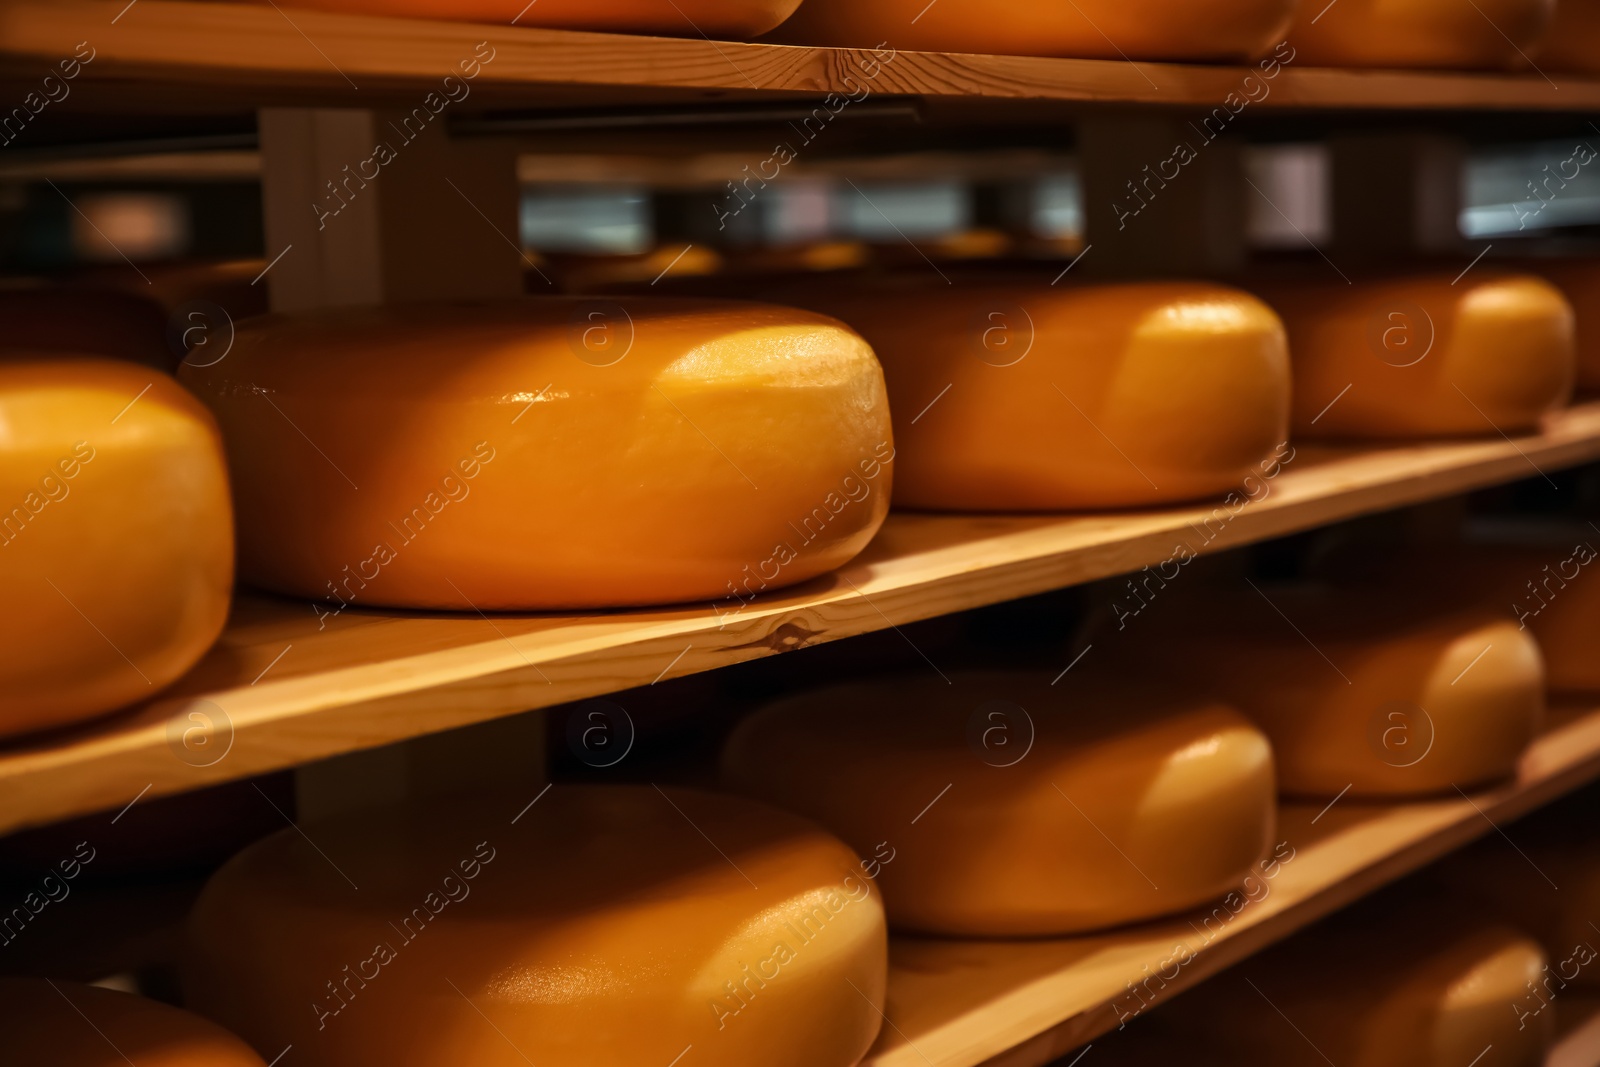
{"x":96,"y":322}
{"x":1378,"y":995}
{"x":1027,"y":397}
{"x":63,"y":1024}
{"x":116,"y":538}
{"x":1000,"y":806}
{"x":550,"y":453}
{"x":1578,"y":278}
{"x":1461,"y":34}
{"x":1572,"y":42}
{"x":1354,"y":696}
{"x":1419,"y":356}
{"x":737,"y":19}
{"x":1089,"y":29}
{"x":596,"y":925}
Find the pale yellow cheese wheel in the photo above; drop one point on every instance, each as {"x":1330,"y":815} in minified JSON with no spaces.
{"x":1420,"y":355}
{"x":999,"y":805}
{"x":1015,"y":395}
{"x":586,"y":925}
{"x":1356,"y":691}
{"x":47,"y":1023}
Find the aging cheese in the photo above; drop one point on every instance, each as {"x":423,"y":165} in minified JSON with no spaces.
{"x":63,"y":1024}
{"x":1572,"y":43}
{"x":1355,"y":693}
{"x":1001,"y":806}
{"x":1383,"y":991}
{"x":98,"y":322}
{"x":1477,"y":34}
{"x":1029,"y":397}
{"x":1089,"y":29}
{"x":735,"y":19}
{"x":596,"y":925}
{"x":550,"y":453}
{"x":1418,"y":356}
{"x":1578,"y":278}
{"x":116,"y":538}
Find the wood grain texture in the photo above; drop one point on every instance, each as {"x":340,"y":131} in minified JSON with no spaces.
{"x":343,"y":60}
{"x":1025,"y":1003}
{"x":282,"y":689}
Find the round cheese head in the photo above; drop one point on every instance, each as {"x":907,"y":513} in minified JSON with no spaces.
{"x":1026,"y":397}
{"x":116,"y":538}
{"x":96,"y":322}
{"x":1419,"y":356}
{"x":63,"y":1024}
{"x":1572,"y":42}
{"x":736,"y":19}
{"x":1000,"y":806}
{"x":1221,"y":30}
{"x":592,"y":925}
{"x":1480,"y":34}
{"x":1355,"y":692}
{"x":1578,"y":277}
{"x":550,"y":453}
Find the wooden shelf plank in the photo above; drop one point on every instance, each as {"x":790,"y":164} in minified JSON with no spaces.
{"x":283,"y":688}
{"x":1577,"y":1030}
{"x":1026,"y":1003}
{"x":343,"y":60}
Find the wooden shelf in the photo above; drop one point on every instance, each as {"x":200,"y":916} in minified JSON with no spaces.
{"x":156,"y":52}
{"x":1025,"y":1003}
{"x":284,"y":692}
{"x":1577,"y":1030}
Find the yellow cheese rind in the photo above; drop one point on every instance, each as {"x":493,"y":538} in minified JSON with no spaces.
{"x":1089,"y":29}
{"x":1117,"y":807}
{"x":1482,"y":34}
{"x":594,"y":925}
{"x":64,"y":1024}
{"x":550,"y":453}
{"x":1028,"y":397}
{"x":116,"y":538}
{"x":1419,"y":356}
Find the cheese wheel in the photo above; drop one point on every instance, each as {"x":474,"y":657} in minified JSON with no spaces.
{"x":1357,"y":694}
{"x":116,"y":538}
{"x":1365,"y":991}
{"x":1552,"y":591}
{"x":1000,"y":806}
{"x":1088,"y":29}
{"x":594,"y":925}
{"x":1480,"y":34}
{"x":1418,"y":356}
{"x":734,"y":19}
{"x":84,"y":322}
{"x":63,"y":1024}
{"x":1027,"y":397}
{"x":1578,"y":278}
{"x":1572,"y":43}
{"x":550,"y":453}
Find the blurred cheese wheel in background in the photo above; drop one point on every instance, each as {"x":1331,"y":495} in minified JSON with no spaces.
{"x":1020,"y":396}
{"x":63,"y":1024}
{"x":736,"y":19}
{"x":1000,"y":806}
{"x":1355,"y":691}
{"x":84,"y":322}
{"x":1578,"y":278}
{"x":116,"y":538}
{"x":1449,"y":34}
{"x":575,"y":273}
{"x":1368,"y":988}
{"x":1572,"y":43}
{"x":1419,"y":356}
{"x":550,"y":453}
{"x":1087,"y":29}
{"x":597,"y":925}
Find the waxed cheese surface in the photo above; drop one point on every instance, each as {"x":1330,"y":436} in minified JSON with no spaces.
{"x":1482,"y":34}
{"x":49,"y":1023}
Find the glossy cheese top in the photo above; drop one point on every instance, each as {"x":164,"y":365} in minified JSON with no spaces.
{"x":587,"y":925}
{"x":1021,"y":396}
{"x":63,"y":1024}
{"x":737,"y":19}
{"x":999,"y":805}
{"x":1480,"y":34}
{"x":550,"y":453}
{"x":1088,"y":29}
{"x":116,"y":538}
{"x":1354,"y":691}
{"x":1418,"y":356}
